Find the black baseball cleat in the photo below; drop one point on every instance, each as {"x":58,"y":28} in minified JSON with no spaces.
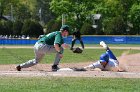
{"x":18,"y":68}
{"x":71,"y":48}
{"x":55,"y":68}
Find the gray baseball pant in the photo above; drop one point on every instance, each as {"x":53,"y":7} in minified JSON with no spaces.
{"x":40,"y":49}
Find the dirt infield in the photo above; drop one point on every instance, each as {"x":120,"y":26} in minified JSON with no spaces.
{"x":130,"y":63}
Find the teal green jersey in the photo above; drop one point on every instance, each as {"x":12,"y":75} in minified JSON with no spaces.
{"x":52,"y":38}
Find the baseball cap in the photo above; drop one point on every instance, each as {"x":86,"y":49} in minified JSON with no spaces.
{"x":65,"y":27}
{"x":104,"y":57}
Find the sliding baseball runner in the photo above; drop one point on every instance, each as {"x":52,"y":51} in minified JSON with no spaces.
{"x":107,"y":62}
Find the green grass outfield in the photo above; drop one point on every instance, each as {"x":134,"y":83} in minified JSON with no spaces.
{"x":16,"y":56}
{"x":57,"y":84}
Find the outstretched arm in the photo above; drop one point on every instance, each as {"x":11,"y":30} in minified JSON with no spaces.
{"x":57,"y":48}
{"x":91,"y":66}
{"x":65,"y":45}
{"x":95,"y":65}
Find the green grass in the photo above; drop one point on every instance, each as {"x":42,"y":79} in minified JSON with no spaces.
{"x":55,"y":84}
{"x":16,"y":56}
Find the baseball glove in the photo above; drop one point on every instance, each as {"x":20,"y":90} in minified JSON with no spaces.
{"x":77,"y":50}
{"x":78,"y":69}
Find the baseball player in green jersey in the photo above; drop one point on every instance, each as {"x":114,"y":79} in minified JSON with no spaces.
{"x":52,"y":42}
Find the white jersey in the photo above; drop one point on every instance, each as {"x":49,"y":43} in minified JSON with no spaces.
{"x":111,"y":64}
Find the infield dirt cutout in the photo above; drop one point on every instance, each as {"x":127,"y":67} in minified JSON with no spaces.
{"x":131,"y":63}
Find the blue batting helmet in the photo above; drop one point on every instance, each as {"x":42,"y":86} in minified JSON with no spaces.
{"x":104,"y":57}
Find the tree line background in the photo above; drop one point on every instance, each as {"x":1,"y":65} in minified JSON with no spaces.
{"x":30,"y":17}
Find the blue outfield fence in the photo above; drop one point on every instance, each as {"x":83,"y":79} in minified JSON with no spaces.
{"x":86,"y":40}
{"x":17,"y":41}
{"x":108,"y":39}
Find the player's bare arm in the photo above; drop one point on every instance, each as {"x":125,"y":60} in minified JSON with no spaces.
{"x":65,"y":45}
{"x":57,"y":48}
